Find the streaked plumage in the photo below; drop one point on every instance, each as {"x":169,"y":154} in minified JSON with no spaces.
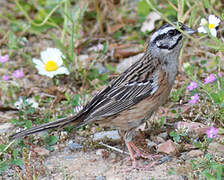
{"x":131,"y":99}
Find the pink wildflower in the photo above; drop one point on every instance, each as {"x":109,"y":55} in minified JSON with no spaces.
{"x":18,"y":73}
{"x":4,"y":58}
{"x":212,"y":132}
{"x":5,"y":77}
{"x":211,"y":78}
{"x":194,"y":99}
{"x":192,"y":86}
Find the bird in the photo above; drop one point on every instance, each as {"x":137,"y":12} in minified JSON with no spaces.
{"x":130,"y":99}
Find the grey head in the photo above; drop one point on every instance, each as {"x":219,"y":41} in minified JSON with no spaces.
{"x":167,"y":39}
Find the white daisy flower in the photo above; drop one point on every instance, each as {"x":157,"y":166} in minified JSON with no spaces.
{"x":51,"y":63}
{"x":211,"y":24}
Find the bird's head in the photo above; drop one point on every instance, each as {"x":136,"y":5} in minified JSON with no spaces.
{"x":167,"y":39}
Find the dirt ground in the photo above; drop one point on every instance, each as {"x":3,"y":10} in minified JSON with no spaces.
{"x":87,"y":165}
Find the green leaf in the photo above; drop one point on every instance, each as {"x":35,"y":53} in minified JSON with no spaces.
{"x":51,"y":140}
{"x":206,"y":3}
{"x":2,"y":147}
{"x":117,"y":35}
{"x":215,"y":98}
{"x":15,"y":153}
{"x":3,"y":166}
{"x":208,"y":175}
{"x":28,"y":124}
{"x":143,"y":8}
{"x":75,"y":100}
{"x":219,"y":171}
{"x":17,"y":162}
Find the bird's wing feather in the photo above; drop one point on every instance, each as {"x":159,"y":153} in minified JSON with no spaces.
{"x":138,"y":82}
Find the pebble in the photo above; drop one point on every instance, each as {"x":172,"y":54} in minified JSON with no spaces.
{"x":168,"y":147}
{"x":5,"y":127}
{"x":100,"y":178}
{"x":41,"y":151}
{"x":112,"y":135}
{"x":73,"y":145}
{"x":216,"y":147}
{"x":194,"y":153}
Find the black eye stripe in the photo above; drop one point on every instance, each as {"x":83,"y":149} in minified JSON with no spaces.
{"x":171,"y":47}
{"x":172,"y":32}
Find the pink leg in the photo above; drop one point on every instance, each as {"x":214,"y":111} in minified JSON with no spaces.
{"x":139,"y":153}
{"x":131,"y":146}
{"x":132,"y":155}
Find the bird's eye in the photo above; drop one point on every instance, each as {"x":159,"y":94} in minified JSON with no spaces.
{"x":172,"y":32}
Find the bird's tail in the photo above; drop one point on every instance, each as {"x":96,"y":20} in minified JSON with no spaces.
{"x":77,"y":121}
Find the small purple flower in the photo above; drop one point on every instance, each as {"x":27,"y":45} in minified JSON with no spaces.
{"x":5,"y":77}
{"x":220,"y":74}
{"x":212,"y":132}
{"x":192,"y":86}
{"x":211,"y":78}
{"x":18,"y":73}
{"x":194,"y":99}
{"x":4,"y":58}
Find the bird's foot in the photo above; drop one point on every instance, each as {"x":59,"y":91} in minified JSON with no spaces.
{"x":138,"y":153}
{"x":142,"y":154}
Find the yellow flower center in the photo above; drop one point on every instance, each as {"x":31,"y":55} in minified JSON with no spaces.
{"x":211,"y":26}
{"x":51,"y":66}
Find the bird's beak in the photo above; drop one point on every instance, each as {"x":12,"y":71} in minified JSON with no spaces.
{"x":188,"y":30}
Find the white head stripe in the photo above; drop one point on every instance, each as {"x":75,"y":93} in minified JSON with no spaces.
{"x":162,"y":31}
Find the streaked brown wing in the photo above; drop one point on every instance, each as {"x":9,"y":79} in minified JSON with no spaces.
{"x":136,"y":83}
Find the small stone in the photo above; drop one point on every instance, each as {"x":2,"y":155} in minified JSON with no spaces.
{"x":187,"y":147}
{"x":41,"y":151}
{"x":112,"y":135}
{"x":216,"y":147}
{"x":73,"y":146}
{"x":5,"y":127}
{"x":195,"y":153}
{"x":100,"y":178}
{"x":168,"y":147}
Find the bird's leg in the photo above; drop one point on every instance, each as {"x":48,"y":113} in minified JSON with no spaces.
{"x":142,"y":154}
{"x":135,"y":152}
{"x":132,"y":155}
{"x":131,"y":146}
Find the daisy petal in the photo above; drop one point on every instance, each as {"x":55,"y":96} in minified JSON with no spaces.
{"x":212,"y":19}
{"x":37,"y":62}
{"x":52,"y":54}
{"x":62,"y":70}
{"x":201,"y":29}
{"x":203,"y":22}
{"x":213,"y":32}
